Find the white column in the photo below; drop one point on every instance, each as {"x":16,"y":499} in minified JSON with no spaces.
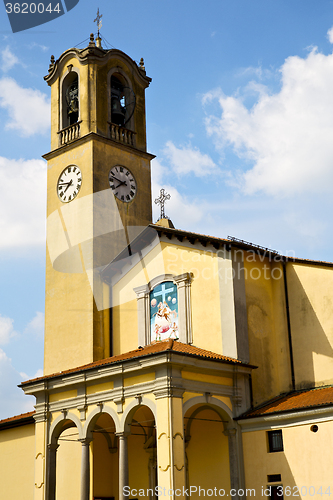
{"x":183,"y":282}
{"x":51,"y":471}
{"x":234,"y":464}
{"x":85,"y":469}
{"x":123,"y":464}
{"x":142,"y":293}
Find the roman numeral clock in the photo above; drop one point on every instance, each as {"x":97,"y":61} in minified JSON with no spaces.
{"x":69,"y":183}
{"x":122,"y":183}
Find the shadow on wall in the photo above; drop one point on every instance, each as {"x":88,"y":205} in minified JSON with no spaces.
{"x":303,"y":466}
{"x":311,"y":316}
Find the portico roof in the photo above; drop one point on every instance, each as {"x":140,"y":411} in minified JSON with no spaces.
{"x":149,"y":350}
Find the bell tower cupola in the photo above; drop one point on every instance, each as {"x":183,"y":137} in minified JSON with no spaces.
{"x":99,"y":192}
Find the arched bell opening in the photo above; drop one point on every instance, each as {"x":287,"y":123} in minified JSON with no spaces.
{"x":142,"y":452}
{"x":70,"y":100}
{"x":206,"y":448}
{"x":105,"y":451}
{"x":122,"y":101}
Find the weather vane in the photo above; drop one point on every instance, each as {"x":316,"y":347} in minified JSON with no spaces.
{"x":161,"y":201}
{"x":98,"y":21}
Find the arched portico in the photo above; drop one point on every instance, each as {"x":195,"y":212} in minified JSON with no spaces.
{"x":137,"y":448}
{"x":67,"y":427}
{"x":213,"y":457}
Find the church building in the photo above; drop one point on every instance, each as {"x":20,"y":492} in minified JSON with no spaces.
{"x":176,"y":364}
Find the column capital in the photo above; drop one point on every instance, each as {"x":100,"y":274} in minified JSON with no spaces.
{"x":231,"y":429}
{"x":85,"y":441}
{"x":52,"y":446}
{"x":183,"y":279}
{"x":141,"y":291}
{"x":123,"y":434}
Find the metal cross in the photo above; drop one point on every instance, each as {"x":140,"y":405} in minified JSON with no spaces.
{"x":161,"y":201}
{"x":98,"y":21}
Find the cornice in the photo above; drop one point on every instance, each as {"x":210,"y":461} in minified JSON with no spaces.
{"x":97,"y":137}
{"x":287,"y":419}
{"x":168,"y":382}
{"x":96,"y":55}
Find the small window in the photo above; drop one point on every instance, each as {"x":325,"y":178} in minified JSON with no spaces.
{"x":274,"y":478}
{"x":276,"y":492}
{"x":164,"y":312}
{"x":275,"y":441}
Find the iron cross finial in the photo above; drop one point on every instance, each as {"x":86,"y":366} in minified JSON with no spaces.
{"x":98,"y":21}
{"x":161,"y":201}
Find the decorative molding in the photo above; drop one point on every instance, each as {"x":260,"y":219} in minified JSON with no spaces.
{"x":291,"y":419}
{"x":183,"y":282}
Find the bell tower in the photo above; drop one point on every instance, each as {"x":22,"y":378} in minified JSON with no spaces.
{"x":98,"y":193}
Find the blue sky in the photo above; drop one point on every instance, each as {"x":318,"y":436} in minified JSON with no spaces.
{"x":239,"y":115}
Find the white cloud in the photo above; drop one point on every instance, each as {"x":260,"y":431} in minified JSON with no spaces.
{"x":28,"y":109}
{"x":8,"y":59}
{"x":6,"y":329}
{"x":181,"y":211}
{"x":36,"y":325}
{"x":12,"y":399}
{"x":330,"y":35}
{"x":286,"y":136}
{"x":186,"y":160}
{"x":22,"y":203}
{"x":34,"y":45}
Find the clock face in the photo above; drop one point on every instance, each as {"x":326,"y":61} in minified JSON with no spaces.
{"x":69,"y":183}
{"x":122,"y":183}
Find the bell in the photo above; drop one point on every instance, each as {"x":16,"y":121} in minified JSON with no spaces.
{"x":117,"y":111}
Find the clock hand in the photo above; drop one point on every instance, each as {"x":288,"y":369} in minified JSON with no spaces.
{"x":113,"y":177}
{"x":69,"y":184}
{"x":121,"y":183}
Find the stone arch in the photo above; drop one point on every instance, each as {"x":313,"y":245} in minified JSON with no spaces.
{"x":231,"y":432}
{"x":63,"y":422}
{"x":93,"y":416}
{"x":159,"y":279}
{"x":210,"y":400}
{"x":128,"y":414}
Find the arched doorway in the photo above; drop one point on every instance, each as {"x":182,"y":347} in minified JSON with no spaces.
{"x":206,"y":449}
{"x":142,"y":457}
{"x":105,"y":457}
{"x":64,"y":459}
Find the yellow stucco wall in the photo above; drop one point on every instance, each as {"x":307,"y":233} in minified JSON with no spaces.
{"x":17,"y":457}
{"x":207,"y":454}
{"x":305,"y":460}
{"x":311,"y":316}
{"x":267,"y":328}
{"x":68,"y":465}
{"x":171,"y":259}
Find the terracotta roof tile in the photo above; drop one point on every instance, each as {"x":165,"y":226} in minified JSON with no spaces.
{"x":16,"y":418}
{"x":294,"y":401}
{"x":158,"y":347}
